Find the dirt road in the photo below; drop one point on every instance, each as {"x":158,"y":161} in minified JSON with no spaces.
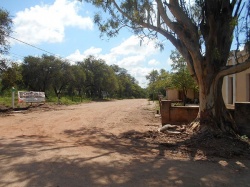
{"x":91,"y":145}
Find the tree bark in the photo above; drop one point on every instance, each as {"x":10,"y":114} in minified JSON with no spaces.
{"x":213,"y":116}
{"x":205,"y":44}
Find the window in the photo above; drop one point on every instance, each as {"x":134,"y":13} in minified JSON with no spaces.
{"x":248,"y":87}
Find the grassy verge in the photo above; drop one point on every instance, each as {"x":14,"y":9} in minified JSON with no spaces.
{"x":7,"y":101}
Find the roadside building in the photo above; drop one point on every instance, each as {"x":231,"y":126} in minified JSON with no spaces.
{"x":236,"y":87}
{"x":174,"y":94}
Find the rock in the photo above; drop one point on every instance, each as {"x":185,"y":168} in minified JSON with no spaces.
{"x":166,"y":127}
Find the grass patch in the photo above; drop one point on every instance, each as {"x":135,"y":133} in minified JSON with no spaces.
{"x":67,"y":100}
{"x":7,"y":101}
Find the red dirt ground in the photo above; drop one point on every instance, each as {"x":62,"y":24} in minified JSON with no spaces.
{"x":112,"y":143}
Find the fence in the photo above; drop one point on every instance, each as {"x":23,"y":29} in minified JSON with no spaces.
{"x":186,"y":114}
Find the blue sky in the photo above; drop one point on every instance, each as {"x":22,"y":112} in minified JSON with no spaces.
{"x":66,"y":28}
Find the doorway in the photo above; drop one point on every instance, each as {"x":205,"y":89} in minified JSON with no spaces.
{"x":230,"y":90}
{"x":248,"y":87}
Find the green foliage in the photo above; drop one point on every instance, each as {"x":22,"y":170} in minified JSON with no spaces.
{"x":179,"y":62}
{"x":5,"y":30}
{"x":5,"y":100}
{"x":62,"y":77}
{"x":135,"y":12}
{"x":67,"y":100}
{"x":91,"y":78}
{"x":152,"y":77}
{"x":11,"y":77}
{"x":78,"y":82}
{"x":181,"y":78}
{"x":38,"y":72}
{"x":99,"y":77}
{"x":127,"y":85}
{"x":158,"y":82}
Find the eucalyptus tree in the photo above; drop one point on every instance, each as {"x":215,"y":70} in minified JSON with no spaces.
{"x":122,"y":78}
{"x":163,"y":81}
{"x":202,"y":32}
{"x":127,"y":85}
{"x":152,"y":76}
{"x":78,"y":82}
{"x":181,"y":78}
{"x":152,"y":79}
{"x":158,"y":82}
{"x":11,"y":76}
{"x":32,"y":74}
{"x":38,"y":72}
{"x":99,"y":77}
{"x":62,"y":76}
{"x":5,"y":30}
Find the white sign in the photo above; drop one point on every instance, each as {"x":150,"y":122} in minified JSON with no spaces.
{"x":31,"y":97}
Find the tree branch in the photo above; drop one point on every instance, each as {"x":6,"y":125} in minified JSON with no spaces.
{"x":182,"y":18}
{"x":232,"y":69}
{"x":191,"y":41}
{"x":188,"y":39}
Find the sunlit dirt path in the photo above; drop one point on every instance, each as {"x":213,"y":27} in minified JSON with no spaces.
{"x":88,"y":145}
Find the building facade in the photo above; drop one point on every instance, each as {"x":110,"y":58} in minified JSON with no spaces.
{"x":175,"y":95}
{"x":236,"y":87}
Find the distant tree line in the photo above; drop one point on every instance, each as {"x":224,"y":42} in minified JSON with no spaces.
{"x":179,"y":78}
{"x":90,"y":78}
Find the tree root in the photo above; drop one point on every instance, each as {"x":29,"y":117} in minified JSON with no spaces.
{"x":169,"y":129}
{"x":211,"y":128}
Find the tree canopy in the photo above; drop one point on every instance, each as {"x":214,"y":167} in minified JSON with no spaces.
{"x":90,"y":78}
{"x":158,"y":82}
{"x":5,"y":30}
{"x":202,"y":32}
{"x":181,"y":78}
{"x":100,"y":77}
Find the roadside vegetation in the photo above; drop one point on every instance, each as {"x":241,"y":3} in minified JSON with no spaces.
{"x":62,"y":82}
{"x":179,"y":78}
{"x":203,"y":32}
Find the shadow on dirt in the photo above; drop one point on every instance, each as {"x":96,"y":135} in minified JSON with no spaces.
{"x":5,"y":110}
{"x":196,"y":145}
{"x":130,"y":159}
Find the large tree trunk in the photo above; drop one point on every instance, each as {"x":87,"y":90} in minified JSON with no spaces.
{"x":213,"y":115}
{"x":204,"y":41}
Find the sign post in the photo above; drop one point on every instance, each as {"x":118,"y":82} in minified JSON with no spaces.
{"x":13,"y":97}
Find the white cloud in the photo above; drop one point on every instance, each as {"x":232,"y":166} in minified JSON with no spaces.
{"x":140,"y":71}
{"x":46,"y":23}
{"x":241,"y":48}
{"x":140,"y":74}
{"x":109,"y":58}
{"x":129,"y":55}
{"x":76,"y":56}
{"x":92,"y":51}
{"x":131,"y":61}
{"x":153,"y":62}
{"x":134,"y":45}
{"x":169,"y":61}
